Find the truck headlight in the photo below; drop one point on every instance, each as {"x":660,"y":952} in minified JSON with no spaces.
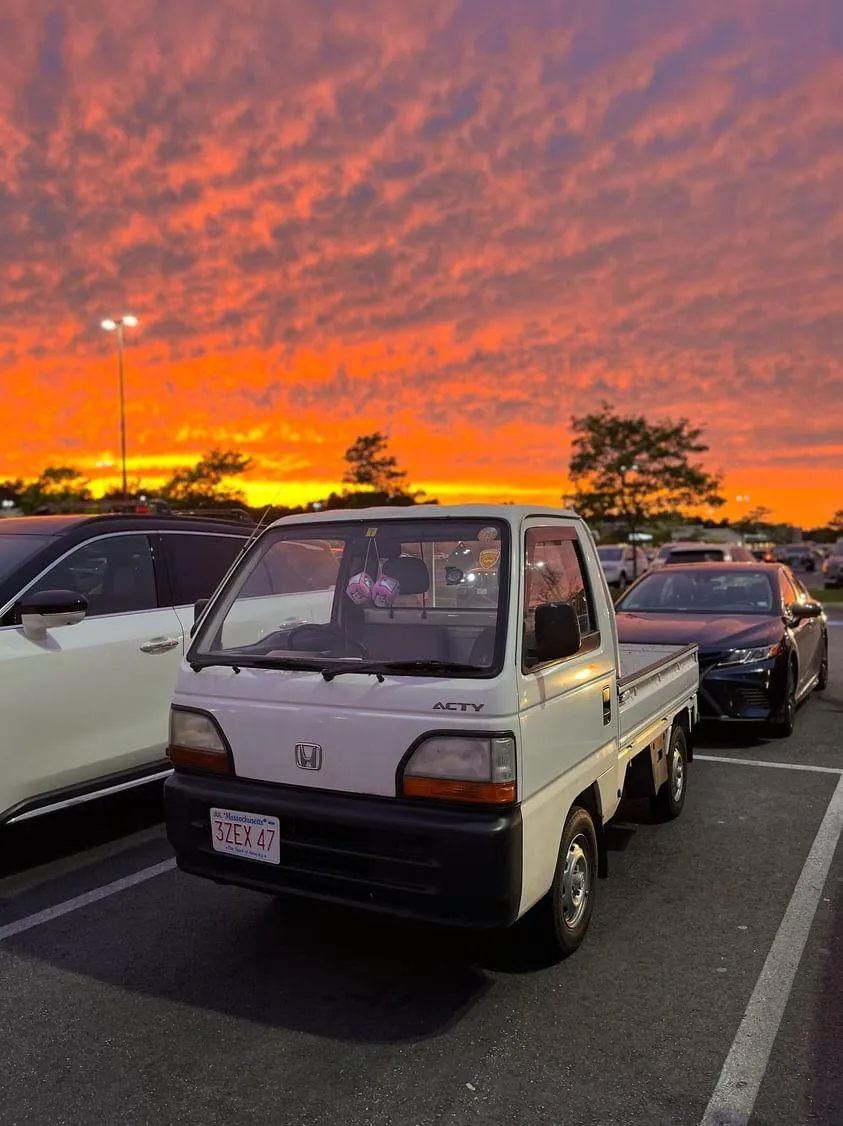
{"x":462,"y":768}
{"x":196,"y":741}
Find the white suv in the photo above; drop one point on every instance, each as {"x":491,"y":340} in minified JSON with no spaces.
{"x":622,"y":563}
{"x":94,"y":615}
{"x":707,"y":553}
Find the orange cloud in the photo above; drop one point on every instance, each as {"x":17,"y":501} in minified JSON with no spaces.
{"x":459,"y":222}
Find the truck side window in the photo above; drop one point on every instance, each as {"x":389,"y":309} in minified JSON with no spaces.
{"x":554,"y":572}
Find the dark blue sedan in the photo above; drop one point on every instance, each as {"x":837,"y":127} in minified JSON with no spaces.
{"x":763,"y":641}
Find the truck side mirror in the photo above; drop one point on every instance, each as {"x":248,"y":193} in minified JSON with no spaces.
{"x":557,"y":631}
{"x":198,"y":611}
{"x":47,"y":609}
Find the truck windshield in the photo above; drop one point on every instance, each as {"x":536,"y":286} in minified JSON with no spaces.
{"x":423,"y":597}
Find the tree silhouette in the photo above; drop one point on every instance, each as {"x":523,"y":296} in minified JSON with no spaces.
{"x":370,"y":466}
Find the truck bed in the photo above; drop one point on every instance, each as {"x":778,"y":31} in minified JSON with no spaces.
{"x":654,"y":681}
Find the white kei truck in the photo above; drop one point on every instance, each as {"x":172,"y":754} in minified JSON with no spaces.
{"x":422,"y":711}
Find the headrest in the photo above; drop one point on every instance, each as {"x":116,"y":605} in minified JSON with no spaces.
{"x":411,"y":573}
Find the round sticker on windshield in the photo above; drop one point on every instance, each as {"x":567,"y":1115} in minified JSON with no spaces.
{"x":487,"y":535}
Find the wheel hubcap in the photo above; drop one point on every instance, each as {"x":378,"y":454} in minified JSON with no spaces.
{"x":576,"y":882}
{"x":678,"y":774}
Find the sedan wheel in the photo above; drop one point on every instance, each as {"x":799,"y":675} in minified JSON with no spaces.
{"x":822,"y":675}
{"x":783,"y":725}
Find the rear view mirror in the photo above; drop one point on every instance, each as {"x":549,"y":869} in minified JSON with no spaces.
{"x":48,"y":609}
{"x":557,"y":631}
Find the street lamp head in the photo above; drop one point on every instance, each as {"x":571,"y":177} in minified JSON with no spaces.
{"x":129,"y":321}
{"x":108,"y":325}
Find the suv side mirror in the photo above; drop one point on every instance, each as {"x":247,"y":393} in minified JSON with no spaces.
{"x":557,"y":631}
{"x":48,"y":609}
{"x":198,"y":611}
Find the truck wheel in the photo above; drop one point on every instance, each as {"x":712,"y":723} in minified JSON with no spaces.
{"x":668,"y":802}
{"x":565,"y":912}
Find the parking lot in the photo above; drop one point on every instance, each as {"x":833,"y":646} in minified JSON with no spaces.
{"x":135,"y":994}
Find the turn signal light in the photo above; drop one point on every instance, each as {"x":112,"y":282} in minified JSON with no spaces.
{"x":483,"y":793}
{"x":196,"y":759}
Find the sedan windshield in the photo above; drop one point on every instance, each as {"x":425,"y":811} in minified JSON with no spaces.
{"x":701,"y":591}
{"x":422,"y":597}
{"x":15,"y":550}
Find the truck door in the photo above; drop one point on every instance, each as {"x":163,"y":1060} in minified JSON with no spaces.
{"x":568,"y":708}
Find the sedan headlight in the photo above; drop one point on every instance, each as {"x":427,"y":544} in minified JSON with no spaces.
{"x":196,"y":741}
{"x":750,"y":656}
{"x":462,"y":768}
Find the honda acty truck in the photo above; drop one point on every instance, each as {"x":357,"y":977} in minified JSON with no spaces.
{"x":422,"y":711}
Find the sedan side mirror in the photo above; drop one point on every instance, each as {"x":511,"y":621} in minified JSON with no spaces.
{"x":803,"y":610}
{"x":48,"y":609}
{"x":557,"y":631}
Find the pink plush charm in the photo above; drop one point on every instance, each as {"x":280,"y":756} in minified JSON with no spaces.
{"x":385,"y":591}
{"x":359,"y":588}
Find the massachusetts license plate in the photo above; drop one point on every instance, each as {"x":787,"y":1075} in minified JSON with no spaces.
{"x":250,"y":835}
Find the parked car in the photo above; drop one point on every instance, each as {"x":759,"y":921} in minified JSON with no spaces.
{"x":763,"y":641}
{"x":707,"y":553}
{"x":799,"y":556}
{"x":451,"y":760}
{"x":622,"y":563}
{"x":833,"y":567}
{"x":94,"y":616}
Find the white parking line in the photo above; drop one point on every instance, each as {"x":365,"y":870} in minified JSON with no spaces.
{"x":765,"y":762}
{"x":740,"y":1080}
{"x":50,"y":913}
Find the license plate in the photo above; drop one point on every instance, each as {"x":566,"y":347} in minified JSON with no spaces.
{"x":250,"y":835}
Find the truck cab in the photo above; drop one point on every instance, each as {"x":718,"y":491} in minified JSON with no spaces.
{"x":424,"y":712}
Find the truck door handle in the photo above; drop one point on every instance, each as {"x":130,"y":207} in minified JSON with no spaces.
{"x":159,"y":644}
{"x":607,"y":705}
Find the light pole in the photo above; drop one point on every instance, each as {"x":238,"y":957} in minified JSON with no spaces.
{"x":117,"y":325}
{"x":743,"y":526}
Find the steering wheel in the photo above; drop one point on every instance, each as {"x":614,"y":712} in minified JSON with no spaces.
{"x":318,"y":635}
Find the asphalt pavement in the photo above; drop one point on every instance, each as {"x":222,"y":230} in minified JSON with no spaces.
{"x":172,"y":1000}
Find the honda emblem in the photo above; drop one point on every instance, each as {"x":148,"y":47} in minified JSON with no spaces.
{"x":308,"y":756}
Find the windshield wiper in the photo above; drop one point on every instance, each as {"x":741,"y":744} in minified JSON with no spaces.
{"x":257,"y":660}
{"x":378,"y":668}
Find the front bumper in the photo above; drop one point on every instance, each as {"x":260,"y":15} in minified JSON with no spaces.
{"x":740,"y":692}
{"x":444,"y":865}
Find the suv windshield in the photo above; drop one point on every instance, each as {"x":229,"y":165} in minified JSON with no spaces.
{"x":610,"y":554}
{"x":423,"y":597}
{"x":15,"y":550}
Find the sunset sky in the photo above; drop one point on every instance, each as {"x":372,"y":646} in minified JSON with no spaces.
{"x":456,"y":222}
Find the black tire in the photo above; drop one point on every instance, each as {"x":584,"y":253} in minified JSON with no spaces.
{"x":565,"y":912}
{"x":667,"y":804}
{"x":782,"y":726}
{"x":822,"y":675}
